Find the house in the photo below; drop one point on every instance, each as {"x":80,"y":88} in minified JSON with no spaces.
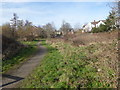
{"x":71,"y":31}
{"x":68,"y":31}
{"x":58,"y":33}
{"x":88,"y":27}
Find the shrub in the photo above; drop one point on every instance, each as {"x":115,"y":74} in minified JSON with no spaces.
{"x":9,"y":47}
{"x":101,"y":28}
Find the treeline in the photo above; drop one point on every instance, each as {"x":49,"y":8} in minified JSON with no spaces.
{"x":25,"y":30}
{"x":18,"y":30}
{"x":110,"y":24}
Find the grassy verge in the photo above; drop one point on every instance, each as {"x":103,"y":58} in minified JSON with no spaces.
{"x":21,"y":56}
{"x":66,"y":66}
{"x":45,"y":73}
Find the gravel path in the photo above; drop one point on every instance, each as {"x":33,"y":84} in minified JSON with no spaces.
{"x":13,"y":77}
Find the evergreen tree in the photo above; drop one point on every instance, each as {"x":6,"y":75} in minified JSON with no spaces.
{"x":111,"y":21}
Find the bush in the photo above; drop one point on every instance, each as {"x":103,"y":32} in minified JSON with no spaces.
{"x":101,"y":28}
{"x":8,"y":31}
{"x":9,"y":47}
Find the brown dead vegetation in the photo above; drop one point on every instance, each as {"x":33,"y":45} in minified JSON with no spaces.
{"x":9,"y":47}
{"x":89,"y":38}
{"x":102,"y":47}
{"x":83,"y":39}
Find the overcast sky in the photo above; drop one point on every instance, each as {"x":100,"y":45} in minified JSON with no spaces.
{"x":41,"y":13}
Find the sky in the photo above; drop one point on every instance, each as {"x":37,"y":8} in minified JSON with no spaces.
{"x":41,"y":13}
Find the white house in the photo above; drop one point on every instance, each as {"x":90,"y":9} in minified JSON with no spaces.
{"x":88,"y":27}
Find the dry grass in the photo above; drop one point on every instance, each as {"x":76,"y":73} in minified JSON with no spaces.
{"x":88,"y":38}
{"x":101,"y":50}
{"x":9,"y":47}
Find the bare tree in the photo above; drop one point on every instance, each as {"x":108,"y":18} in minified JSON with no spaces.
{"x":116,"y":8}
{"x":26,"y":31}
{"x":65,"y":28}
{"x":20,"y":24}
{"x":49,"y":29}
{"x":7,"y":30}
{"x":77,"y":27}
{"x":41,"y":32}
{"x":119,"y":13}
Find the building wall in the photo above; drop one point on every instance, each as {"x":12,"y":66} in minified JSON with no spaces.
{"x":100,"y":23}
{"x":89,"y":26}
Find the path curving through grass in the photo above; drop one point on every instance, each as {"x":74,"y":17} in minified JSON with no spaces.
{"x":12,"y":78}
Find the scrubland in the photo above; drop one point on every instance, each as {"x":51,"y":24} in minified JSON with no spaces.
{"x":83,"y":61}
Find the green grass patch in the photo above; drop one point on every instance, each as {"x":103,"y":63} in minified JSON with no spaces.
{"x":66,"y":66}
{"x":21,"y":56}
{"x":47,"y":73}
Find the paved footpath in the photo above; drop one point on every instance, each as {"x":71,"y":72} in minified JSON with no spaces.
{"x":15,"y":76}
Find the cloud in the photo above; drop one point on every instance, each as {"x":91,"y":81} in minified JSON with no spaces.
{"x":16,"y":0}
{"x":24,"y":12}
{"x":42,"y":13}
{"x":57,"y":0}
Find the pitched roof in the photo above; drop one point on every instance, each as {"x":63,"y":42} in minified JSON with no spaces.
{"x":102,"y":20}
{"x":96,"y":22}
{"x":84,"y":25}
